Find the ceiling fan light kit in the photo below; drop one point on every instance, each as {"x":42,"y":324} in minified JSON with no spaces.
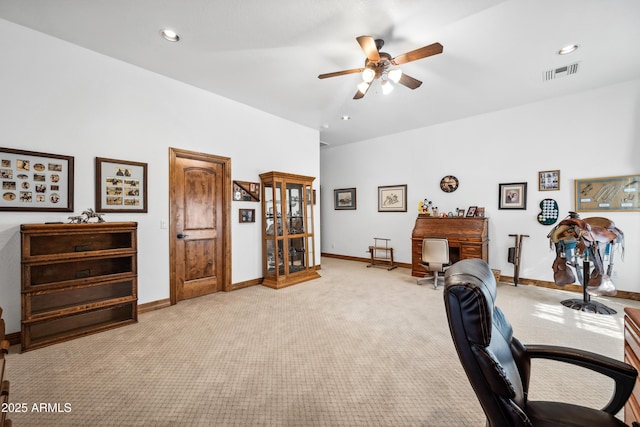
{"x":378,"y":65}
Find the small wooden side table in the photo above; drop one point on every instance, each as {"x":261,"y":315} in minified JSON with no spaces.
{"x":381,"y":254}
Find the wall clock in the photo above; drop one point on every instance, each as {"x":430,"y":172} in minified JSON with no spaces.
{"x":449,"y":184}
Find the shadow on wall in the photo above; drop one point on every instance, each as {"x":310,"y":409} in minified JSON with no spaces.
{"x":10,"y":277}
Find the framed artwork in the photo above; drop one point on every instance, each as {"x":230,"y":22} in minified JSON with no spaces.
{"x":614,"y":193}
{"x":344,"y":199}
{"x":246,"y":191}
{"x":392,"y":198}
{"x":121,"y":186}
{"x":480,"y":212}
{"x":512,"y":196}
{"x":549,"y":180}
{"x":460,"y":212}
{"x":33,"y":181}
{"x":247,"y":215}
{"x":471,"y":212}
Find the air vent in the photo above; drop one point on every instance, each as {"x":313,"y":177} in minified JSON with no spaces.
{"x":556,"y":73}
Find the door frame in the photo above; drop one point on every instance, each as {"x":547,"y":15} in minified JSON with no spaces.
{"x":225,"y":162}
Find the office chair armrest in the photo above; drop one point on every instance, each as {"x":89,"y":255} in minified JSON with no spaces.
{"x":622,"y":373}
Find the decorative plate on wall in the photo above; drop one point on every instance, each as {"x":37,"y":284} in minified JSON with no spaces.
{"x":449,"y":184}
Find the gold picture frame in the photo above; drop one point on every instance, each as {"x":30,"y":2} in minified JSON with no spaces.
{"x":613,"y":194}
{"x":549,"y":180}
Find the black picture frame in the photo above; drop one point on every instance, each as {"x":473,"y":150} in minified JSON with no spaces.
{"x":246,"y":215}
{"x":35,"y":181}
{"x":512,"y":195}
{"x":344,"y":199}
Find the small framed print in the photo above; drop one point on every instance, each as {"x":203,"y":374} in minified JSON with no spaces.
{"x":344,"y":199}
{"x":512,"y":196}
{"x":549,"y":180}
{"x":392,"y":198}
{"x":247,"y":215}
{"x":480,"y":212}
{"x":33,"y":181}
{"x":121,"y":186}
{"x":471,"y":212}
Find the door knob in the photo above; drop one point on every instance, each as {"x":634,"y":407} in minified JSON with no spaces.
{"x":181,"y":236}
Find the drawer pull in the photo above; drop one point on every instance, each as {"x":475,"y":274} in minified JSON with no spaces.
{"x":83,"y":273}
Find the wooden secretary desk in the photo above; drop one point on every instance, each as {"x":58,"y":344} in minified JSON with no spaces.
{"x":468,"y":238}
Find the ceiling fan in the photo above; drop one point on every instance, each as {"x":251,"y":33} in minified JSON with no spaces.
{"x":379,"y":65}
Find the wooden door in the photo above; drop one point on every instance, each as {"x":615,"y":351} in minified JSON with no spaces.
{"x":199,"y":230}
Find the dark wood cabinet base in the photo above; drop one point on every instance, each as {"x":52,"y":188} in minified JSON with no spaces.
{"x":77,"y":279}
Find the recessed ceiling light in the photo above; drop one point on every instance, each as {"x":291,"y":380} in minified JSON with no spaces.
{"x":345,"y":118}
{"x":568,"y":49}
{"x":170,"y":35}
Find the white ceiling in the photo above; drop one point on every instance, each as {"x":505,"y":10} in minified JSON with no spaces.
{"x":268,"y":53}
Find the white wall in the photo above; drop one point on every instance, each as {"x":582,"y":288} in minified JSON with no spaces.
{"x":56,"y":97}
{"x":590,"y":134}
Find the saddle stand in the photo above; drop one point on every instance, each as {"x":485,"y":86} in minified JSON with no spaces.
{"x":585,"y":304}
{"x":594,"y":240}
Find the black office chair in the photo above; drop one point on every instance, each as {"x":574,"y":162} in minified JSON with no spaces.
{"x":498,"y":365}
{"x":435,"y":258}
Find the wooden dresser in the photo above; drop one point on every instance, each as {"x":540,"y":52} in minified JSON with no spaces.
{"x":632,"y":357}
{"x":468,"y":238}
{"x":77,"y":279}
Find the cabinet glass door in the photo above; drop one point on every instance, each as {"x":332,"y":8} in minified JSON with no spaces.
{"x":310,"y":256}
{"x":309,"y":208}
{"x":295,"y":212}
{"x":297,"y":255}
{"x":273,"y":209}
{"x":275,"y":261}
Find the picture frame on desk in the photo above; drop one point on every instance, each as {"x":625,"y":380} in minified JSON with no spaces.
{"x":512,"y":195}
{"x":34,"y":181}
{"x":471,"y":212}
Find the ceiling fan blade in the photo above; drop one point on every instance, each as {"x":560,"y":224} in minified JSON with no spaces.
{"x":368,"y":45}
{"x":409,"y":81}
{"x":359,"y":94}
{"x":340,"y":73}
{"x":423,"y":52}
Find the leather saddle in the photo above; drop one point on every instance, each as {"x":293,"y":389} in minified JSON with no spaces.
{"x":582,"y":235}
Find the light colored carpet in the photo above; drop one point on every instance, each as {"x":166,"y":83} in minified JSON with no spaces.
{"x":358,"y":347}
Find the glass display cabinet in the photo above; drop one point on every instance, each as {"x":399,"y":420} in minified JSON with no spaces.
{"x":287,"y":221}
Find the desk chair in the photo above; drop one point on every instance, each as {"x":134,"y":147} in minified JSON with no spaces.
{"x":498,"y":366}
{"x":435,"y":258}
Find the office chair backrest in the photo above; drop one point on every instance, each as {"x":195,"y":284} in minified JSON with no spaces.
{"x":492,"y":358}
{"x":435,"y":251}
